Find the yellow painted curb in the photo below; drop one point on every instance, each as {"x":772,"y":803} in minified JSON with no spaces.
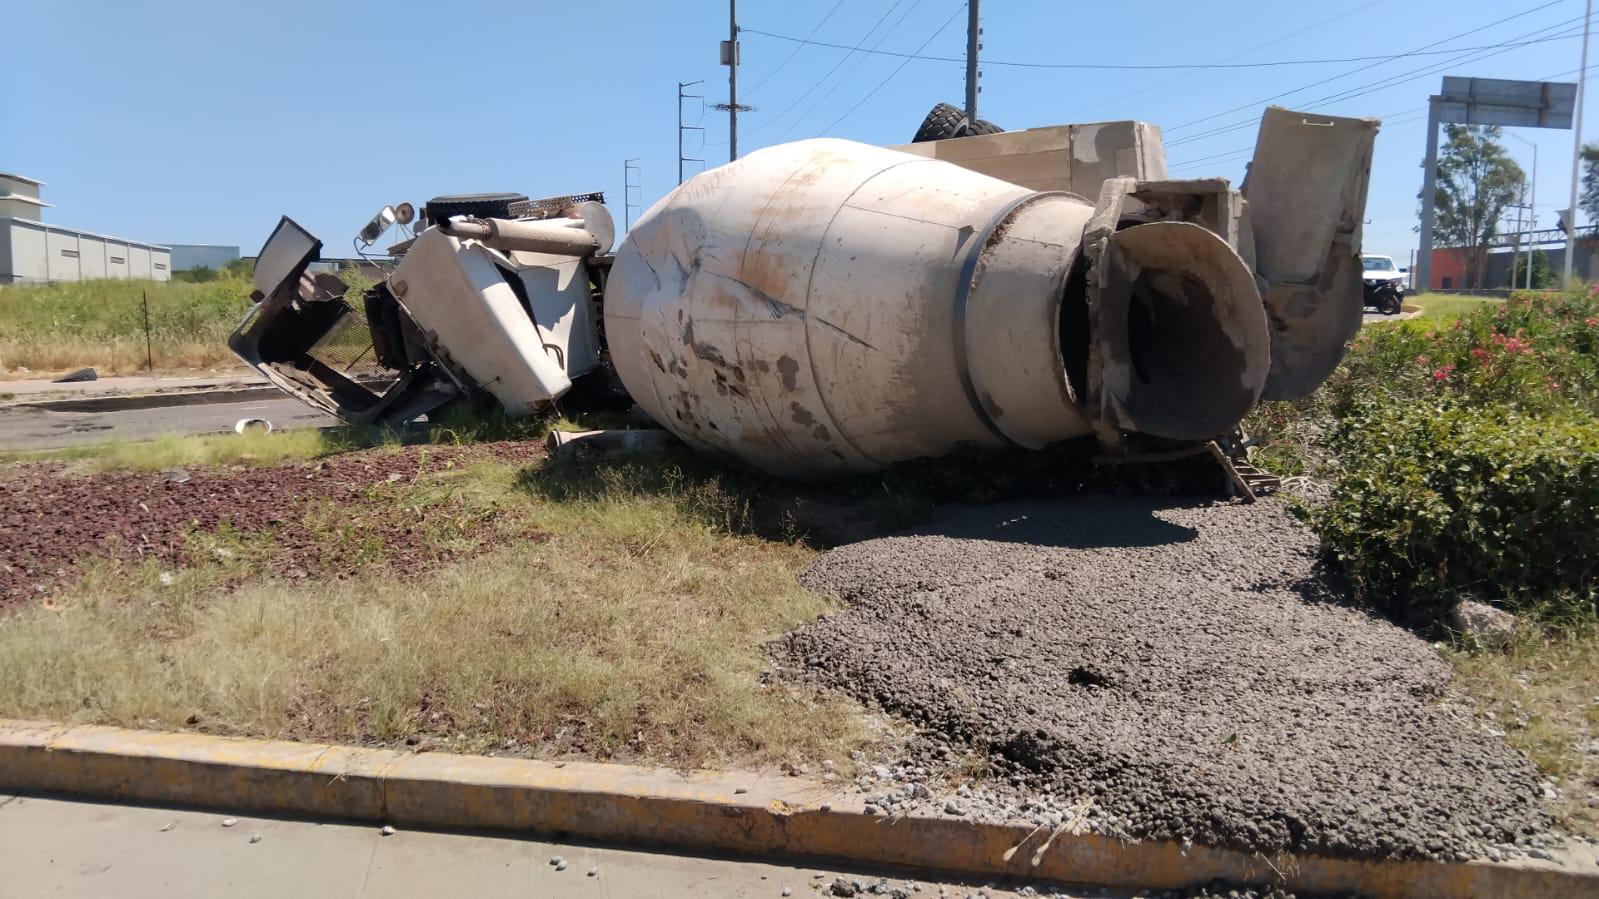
{"x":721,"y":812}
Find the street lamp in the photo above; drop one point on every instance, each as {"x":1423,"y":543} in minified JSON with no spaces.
{"x":1532,"y":207}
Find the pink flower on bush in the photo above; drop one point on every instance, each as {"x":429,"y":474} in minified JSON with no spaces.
{"x":1422,"y":360}
{"x":1442,"y":374}
{"x":1512,"y":345}
{"x":1592,"y":322}
{"x":1480,"y":354}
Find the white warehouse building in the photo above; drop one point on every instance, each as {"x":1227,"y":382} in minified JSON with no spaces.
{"x":33,"y":251}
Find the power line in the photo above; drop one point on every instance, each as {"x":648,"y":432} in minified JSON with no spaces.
{"x":1388,"y":118}
{"x":851,"y":70}
{"x":1369,"y":88}
{"x":1153,"y":67}
{"x":1274,"y":41}
{"x":869,"y":94}
{"x":1216,"y":160}
{"x":818,"y":83}
{"x":1400,"y":117}
{"x":1329,"y":99}
{"x":797,"y":48}
{"x":1350,"y":94}
{"x":1380,"y":83}
{"x":1257,"y":103}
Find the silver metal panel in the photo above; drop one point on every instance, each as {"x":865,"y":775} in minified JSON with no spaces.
{"x":1496,"y":101}
{"x":558,"y":294}
{"x":288,"y":247}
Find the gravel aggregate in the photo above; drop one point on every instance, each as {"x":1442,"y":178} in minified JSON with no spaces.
{"x":1153,"y":669}
{"x":55,"y":516}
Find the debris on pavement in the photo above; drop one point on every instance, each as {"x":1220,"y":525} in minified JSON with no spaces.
{"x":77,"y":376}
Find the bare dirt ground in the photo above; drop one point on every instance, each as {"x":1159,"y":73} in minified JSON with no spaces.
{"x":56,"y":517}
{"x":1171,"y":671}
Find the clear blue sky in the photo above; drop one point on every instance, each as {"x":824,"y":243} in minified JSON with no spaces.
{"x":202,"y":122}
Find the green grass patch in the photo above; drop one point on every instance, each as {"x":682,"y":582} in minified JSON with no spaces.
{"x":1446,"y":306}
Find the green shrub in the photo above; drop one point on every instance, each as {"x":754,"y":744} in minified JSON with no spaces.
{"x":1463,"y":456}
{"x":1435,"y":501}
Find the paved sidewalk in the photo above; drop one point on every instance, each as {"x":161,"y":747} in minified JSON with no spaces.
{"x":61,"y":848}
{"x":26,"y":428}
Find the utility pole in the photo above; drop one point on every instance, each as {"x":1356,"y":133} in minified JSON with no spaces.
{"x":1515,"y":247}
{"x":730,"y":54}
{"x":973,"y":32}
{"x":1429,"y":189}
{"x":1532,"y":205}
{"x":1576,"y":146}
{"x":730,"y":59}
{"x":1532,"y":214}
{"x":682,"y":127}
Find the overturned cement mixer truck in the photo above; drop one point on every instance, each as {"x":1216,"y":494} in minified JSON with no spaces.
{"x":824,"y":307}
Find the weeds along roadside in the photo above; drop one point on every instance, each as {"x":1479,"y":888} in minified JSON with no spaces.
{"x":102,"y":323}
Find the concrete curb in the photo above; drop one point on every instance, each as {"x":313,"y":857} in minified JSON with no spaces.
{"x":719,"y":812}
{"x":130,"y":402}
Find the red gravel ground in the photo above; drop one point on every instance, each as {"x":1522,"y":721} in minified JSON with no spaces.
{"x":53,"y":518}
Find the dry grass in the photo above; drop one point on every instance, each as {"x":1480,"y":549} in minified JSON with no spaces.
{"x":56,"y":327}
{"x":622,"y":623}
{"x":1543,"y":692}
{"x":36,"y":356}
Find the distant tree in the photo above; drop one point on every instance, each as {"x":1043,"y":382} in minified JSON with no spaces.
{"x":201,"y":274}
{"x":1590,"y":182}
{"x":240,"y":268}
{"x":1476,"y":180}
{"x":1543,"y":277}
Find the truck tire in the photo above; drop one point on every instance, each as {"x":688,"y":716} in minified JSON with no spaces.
{"x":439,"y":209}
{"x":982,"y":126}
{"x":945,"y":121}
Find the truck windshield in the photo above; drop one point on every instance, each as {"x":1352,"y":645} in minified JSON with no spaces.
{"x":1377,"y":263}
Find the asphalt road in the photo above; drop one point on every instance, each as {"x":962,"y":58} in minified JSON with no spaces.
{"x":61,"y":848}
{"x":26,"y":428}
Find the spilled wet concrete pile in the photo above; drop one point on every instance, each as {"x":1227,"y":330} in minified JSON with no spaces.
{"x":1169,"y":671}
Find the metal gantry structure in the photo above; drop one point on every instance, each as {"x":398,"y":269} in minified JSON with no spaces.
{"x":682,"y":127}
{"x":1488,"y":101}
{"x":632,"y":191}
